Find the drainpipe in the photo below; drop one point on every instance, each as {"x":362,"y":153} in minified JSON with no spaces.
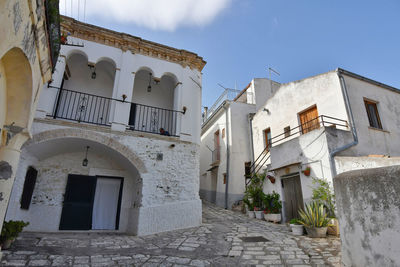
{"x":250,"y":117}
{"x":227,"y":155}
{"x":333,"y":153}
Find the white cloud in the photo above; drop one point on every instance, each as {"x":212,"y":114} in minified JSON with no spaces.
{"x":155,"y":14}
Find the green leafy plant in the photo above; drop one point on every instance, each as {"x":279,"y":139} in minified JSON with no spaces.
{"x":294,"y":221}
{"x":322,"y":193}
{"x":249,"y":204}
{"x":314,"y":215}
{"x":11,"y":229}
{"x":272,"y":203}
{"x":254,"y":191}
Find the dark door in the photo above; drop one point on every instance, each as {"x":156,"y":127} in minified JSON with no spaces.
{"x":293,"y":197}
{"x":132,"y":116}
{"x":78,"y":203}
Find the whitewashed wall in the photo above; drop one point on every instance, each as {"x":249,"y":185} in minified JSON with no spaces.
{"x":240,"y":152}
{"x":186,"y":94}
{"x":375,"y":141}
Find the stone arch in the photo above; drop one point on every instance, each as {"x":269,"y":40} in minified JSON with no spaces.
{"x":15,"y":89}
{"x":145,"y":68}
{"x":108,"y":60}
{"x":92,"y":136}
{"x":76,"y":51}
{"x":171,"y":75}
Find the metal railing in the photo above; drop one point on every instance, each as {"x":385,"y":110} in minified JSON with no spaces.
{"x":308,"y":126}
{"x":94,"y":109}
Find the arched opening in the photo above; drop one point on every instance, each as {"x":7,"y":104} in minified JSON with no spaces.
{"x":15,"y":89}
{"x":153,"y":103}
{"x":86,"y":91}
{"x":110,"y":186}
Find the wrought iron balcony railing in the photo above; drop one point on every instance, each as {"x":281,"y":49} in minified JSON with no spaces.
{"x":308,"y":126}
{"x":94,"y":109}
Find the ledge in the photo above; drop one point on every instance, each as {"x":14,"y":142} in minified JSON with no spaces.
{"x":377,"y":129}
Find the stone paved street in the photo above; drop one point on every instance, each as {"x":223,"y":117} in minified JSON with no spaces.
{"x":217,"y":242}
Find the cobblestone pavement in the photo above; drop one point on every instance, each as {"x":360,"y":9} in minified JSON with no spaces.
{"x":217,"y":243}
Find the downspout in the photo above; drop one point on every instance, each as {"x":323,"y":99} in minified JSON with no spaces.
{"x":250,"y":118}
{"x":227,"y":155}
{"x":333,"y":153}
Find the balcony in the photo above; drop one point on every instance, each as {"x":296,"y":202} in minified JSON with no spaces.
{"x":99,"y":110}
{"x":312,"y":138}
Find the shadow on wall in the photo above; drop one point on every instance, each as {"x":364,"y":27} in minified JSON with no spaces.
{"x":368,"y":209}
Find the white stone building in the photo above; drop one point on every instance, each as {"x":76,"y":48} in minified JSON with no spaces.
{"x":96,"y":159}
{"x":226,"y":149}
{"x":332,"y":122}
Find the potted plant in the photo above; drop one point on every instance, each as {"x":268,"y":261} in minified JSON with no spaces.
{"x":323,"y":194}
{"x":249,"y":207}
{"x":254,"y":193}
{"x":296,"y":226}
{"x":258,"y":212}
{"x":314,"y":219}
{"x":273,"y":207}
{"x":10,"y":231}
{"x":307,"y":171}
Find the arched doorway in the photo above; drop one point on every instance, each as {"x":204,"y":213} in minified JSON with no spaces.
{"x":153,"y":103}
{"x":67,"y":195}
{"x":15,"y":92}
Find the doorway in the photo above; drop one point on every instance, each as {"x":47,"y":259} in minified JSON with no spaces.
{"x":91,"y":203}
{"x":293,"y":196}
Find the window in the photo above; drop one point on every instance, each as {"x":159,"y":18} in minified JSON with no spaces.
{"x":286,"y":130}
{"x":373,"y":115}
{"x":247,"y":169}
{"x":216,"y":152}
{"x":223,"y":133}
{"x":309,"y":120}
{"x":29,"y":185}
{"x":224,"y":178}
{"x":267,"y":137}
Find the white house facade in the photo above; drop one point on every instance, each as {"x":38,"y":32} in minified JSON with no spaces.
{"x":308,"y":124}
{"x":226,"y":149}
{"x":115,"y":140}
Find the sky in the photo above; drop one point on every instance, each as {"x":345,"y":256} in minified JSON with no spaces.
{"x":240,"y":39}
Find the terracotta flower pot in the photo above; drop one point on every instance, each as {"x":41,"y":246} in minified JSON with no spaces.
{"x":316,"y":232}
{"x":307,"y":172}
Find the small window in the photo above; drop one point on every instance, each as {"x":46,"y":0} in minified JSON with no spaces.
{"x":373,"y":115}
{"x":29,"y":185}
{"x":223,"y":133}
{"x":286,"y":130}
{"x":267,"y":137}
{"x":224,"y":178}
{"x":247,"y":169}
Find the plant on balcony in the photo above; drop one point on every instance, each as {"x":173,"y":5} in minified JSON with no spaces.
{"x":314,"y":219}
{"x":273,"y":207}
{"x":10,"y":231}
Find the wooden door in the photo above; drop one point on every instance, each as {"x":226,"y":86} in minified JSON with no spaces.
{"x":214,"y":184}
{"x":293,"y":197}
{"x":309,"y":120}
{"x":78,"y":203}
{"x":216,"y":146}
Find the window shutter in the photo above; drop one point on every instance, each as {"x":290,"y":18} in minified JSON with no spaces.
{"x":29,"y":185}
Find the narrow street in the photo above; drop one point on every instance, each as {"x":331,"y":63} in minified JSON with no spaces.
{"x":217,"y":243}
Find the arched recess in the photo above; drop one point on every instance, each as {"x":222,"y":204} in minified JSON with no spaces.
{"x":106,"y":158}
{"x":15,"y":89}
{"x":153,"y":99}
{"x":88,"y":89}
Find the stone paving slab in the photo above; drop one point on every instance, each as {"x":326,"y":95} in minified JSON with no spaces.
{"x":217,"y":242}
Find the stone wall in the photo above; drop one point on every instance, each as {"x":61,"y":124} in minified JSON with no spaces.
{"x":163,"y":187}
{"x":368,"y":208}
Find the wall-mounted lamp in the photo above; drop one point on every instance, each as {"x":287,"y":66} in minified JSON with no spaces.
{"x":267,"y":110}
{"x":85,"y":160}
{"x":149,"y":87}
